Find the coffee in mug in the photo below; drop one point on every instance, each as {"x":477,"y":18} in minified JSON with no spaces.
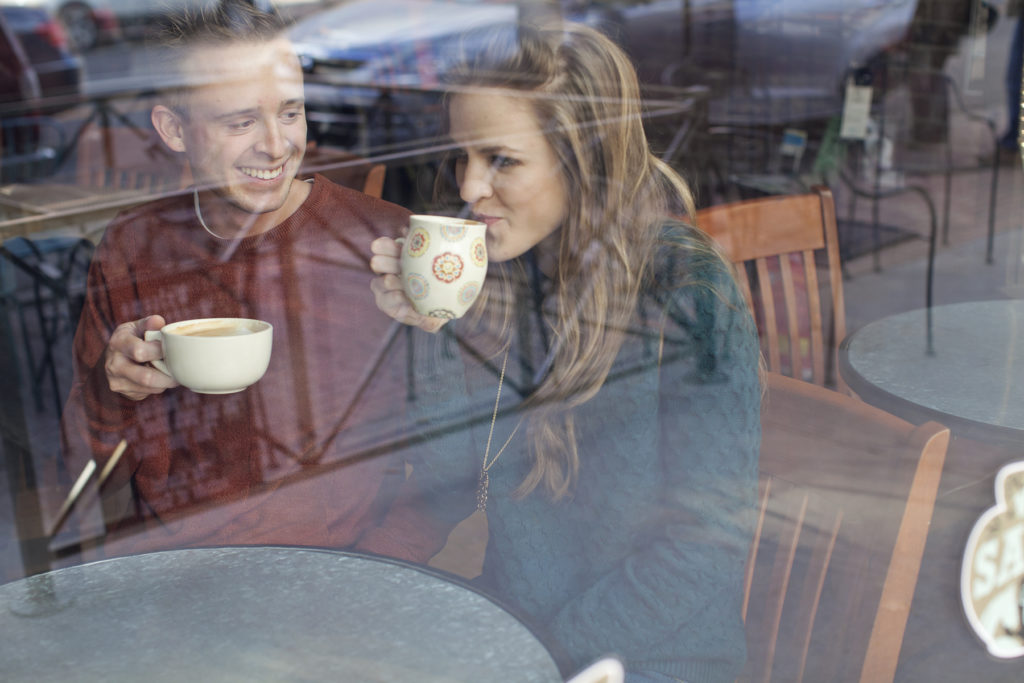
{"x":444,"y":263}
{"x":214,"y":355}
{"x":215,"y":328}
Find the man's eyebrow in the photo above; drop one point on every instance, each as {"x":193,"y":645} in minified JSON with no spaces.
{"x":254,"y":111}
{"x":238,"y":113}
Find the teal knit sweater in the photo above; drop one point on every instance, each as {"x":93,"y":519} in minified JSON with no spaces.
{"x":645,"y":559}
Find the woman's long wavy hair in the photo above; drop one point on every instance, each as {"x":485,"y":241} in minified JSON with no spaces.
{"x":584,"y":92}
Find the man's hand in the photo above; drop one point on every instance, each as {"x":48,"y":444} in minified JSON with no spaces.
{"x":126,"y":360}
{"x":387,"y":289}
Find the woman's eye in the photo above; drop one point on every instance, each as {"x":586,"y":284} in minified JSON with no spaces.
{"x":500,"y":161}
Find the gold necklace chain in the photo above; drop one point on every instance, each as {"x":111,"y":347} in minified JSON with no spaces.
{"x":485,"y":479}
{"x":199,"y":213}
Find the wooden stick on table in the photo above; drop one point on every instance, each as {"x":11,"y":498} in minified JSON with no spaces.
{"x":115,"y":457}
{"x":83,"y":479}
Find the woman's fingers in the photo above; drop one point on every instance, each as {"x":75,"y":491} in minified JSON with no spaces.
{"x":385,"y":246}
{"x":387,"y":288}
{"x":392,"y":301}
{"x":384,"y":265}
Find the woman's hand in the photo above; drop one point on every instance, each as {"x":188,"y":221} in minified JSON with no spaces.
{"x":387,"y":288}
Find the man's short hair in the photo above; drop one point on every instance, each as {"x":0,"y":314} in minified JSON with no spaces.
{"x":229,"y":22}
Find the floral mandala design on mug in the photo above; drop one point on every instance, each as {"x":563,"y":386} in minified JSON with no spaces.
{"x":453,"y":232}
{"x":442,"y":313}
{"x":418,"y":286}
{"x":447,"y":267}
{"x":478,"y":252}
{"x":419,"y":240}
{"x":468,"y":292}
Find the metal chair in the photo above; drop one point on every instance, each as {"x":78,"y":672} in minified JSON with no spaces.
{"x":53,"y":272}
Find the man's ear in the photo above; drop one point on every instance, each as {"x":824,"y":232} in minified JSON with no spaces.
{"x":169,"y":125}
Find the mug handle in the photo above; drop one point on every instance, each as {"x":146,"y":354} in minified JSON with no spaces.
{"x":155,"y":335}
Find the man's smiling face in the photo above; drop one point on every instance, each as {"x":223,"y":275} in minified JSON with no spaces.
{"x":244,"y":131}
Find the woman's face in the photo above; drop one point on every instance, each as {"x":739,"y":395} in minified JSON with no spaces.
{"x":507,"y":172}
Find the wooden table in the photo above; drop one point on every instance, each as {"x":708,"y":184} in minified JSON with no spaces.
{"x":26,"y":209}
{"x":259,"y":614}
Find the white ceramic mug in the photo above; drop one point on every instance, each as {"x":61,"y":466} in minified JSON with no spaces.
{"x":444,"y":263}
{"x":214,"y":355}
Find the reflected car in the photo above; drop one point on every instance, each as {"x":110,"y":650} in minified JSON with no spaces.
{"x":89,"y":23}
{"x":765,"y":61}
{"x":768,"y":61}
{"x":373,"y":66}
{"x":25,"y":143}
{"x":86,"y":22}
{"x":18,"y":79}
{"x":45,"y":45}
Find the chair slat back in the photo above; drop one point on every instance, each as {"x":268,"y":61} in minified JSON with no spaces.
{"x":782,"y":241}
{"x":847,"y":493}
{"x":344,"y":168}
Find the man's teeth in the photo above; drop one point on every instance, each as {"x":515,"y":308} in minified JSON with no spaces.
{"x":263,"y":174}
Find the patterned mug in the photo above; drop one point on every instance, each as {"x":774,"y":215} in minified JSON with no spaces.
{"x":444,"y":263}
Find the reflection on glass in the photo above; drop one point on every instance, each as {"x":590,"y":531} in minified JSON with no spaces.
{"x":615,"y":469}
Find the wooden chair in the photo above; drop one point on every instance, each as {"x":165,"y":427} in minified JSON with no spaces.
{"x":847,"y":494}
{"x":778,"y":244}
{"x":344,"y":168}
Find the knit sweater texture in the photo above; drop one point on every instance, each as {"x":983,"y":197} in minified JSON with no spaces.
{"x":645,"y":558}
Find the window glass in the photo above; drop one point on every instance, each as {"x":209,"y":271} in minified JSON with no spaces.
{"x":675,"y":337}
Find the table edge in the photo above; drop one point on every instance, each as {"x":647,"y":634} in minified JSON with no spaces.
{"x":913,"y":412}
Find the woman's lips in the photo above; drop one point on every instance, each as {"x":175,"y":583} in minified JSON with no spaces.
{"x":489,"y":221}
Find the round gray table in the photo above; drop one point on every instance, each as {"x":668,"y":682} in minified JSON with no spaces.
{"x":973,"y":382}
{"x":259,"y":614}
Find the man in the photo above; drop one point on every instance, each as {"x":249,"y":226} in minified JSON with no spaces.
{"x":283,"y":461}
{"x":934,"y":34}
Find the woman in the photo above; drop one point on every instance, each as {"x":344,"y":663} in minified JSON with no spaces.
{"x":620,"y":504}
